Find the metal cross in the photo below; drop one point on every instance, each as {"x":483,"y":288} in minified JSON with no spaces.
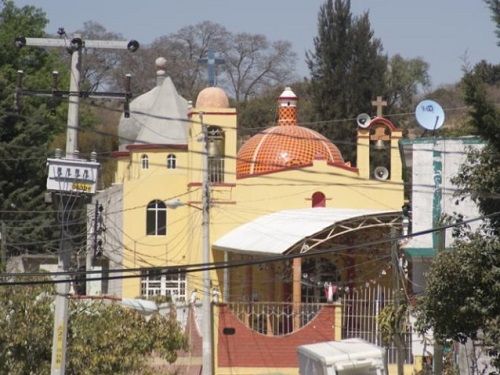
{"x":212,"y":63}
{"x":380,"y":104}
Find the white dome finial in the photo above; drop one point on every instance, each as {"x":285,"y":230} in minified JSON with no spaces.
{"x":287,"y":98}
{"x":161,"y":64}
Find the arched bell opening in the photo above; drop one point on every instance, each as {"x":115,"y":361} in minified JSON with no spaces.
{"x":380,"y":152}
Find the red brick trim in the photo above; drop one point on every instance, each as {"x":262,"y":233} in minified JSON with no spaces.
{"x":248,"y":348}
{"x":120,"y":154}
{"x":383,"y":121}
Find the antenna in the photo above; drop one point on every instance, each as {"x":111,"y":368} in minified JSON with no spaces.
{"x":429,"y":114}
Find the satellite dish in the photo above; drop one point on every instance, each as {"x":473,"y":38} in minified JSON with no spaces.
{"x":381,"y":173}
{"x":429,"y":114}
{"x":363,"y":120}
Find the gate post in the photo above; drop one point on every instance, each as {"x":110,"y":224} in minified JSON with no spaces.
{"x":337,"y":321}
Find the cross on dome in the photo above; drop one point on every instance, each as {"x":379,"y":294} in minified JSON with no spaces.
{"x":211,"y":61}
{"x":380,"y":104}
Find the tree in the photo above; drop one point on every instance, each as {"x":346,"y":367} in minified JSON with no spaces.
{"x":111,"y":339}
{"x":182,"y":50}
{"x":494,"y":6}
{"x":460,"y":301}
{"x":404,"y":79}
{"x":25,"y":135}
{"x":97,"y":64}
{"x":103,"y":338}
{"x":347,"y":70}
{"x":253,"y":65}
{"x":25,"y":330}
{"x":260,"y":112}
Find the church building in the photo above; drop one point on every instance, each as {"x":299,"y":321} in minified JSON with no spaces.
{"x":296,"y":222}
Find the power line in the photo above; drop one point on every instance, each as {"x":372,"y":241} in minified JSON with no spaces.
{"x":198,"y":267}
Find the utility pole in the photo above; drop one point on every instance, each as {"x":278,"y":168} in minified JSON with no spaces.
{"x":397,"y":301}
{"x":207,"y":351}
{"x":92,"y":254}
{"x":437,"y":359}
{"x":74,"y":46}
{"x":3,"y":250}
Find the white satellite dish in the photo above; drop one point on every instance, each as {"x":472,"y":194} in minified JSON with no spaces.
{"x":363,"y":120}
{"x":429,"y":114}
{"x":381,"y":173}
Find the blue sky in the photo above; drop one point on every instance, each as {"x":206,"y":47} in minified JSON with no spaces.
{"x":442,"y":32}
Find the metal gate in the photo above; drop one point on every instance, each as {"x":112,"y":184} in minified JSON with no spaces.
{"x":360,"y":308}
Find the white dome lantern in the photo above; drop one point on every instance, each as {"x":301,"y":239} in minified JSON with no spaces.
{"x":287,"y":98}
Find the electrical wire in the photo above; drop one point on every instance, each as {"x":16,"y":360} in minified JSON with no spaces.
{"x":222,"y":265}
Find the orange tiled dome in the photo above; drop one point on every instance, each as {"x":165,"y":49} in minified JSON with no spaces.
{"x":286,"y":145}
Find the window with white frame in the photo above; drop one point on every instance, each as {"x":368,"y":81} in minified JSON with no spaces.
{"x":144,"y":161}
{"x":171,"y":161}
{"x":154,"y":283}
{"x":156,"y":218}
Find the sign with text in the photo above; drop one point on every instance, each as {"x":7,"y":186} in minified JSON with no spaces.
{"x":72,"y":175}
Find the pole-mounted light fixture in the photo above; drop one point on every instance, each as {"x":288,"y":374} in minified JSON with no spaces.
{"x":133,"y":45}
{"x":20,"y":41}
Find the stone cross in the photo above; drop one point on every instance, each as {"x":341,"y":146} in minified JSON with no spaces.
{"x":380,"y":104}
{"x":212,"y":63}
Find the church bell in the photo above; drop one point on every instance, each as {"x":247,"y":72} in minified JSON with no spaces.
{"x":379,"y":145}
{"x":216,"y":146}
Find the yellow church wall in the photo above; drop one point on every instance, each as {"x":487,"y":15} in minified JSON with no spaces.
{"x":363,"y":153}
{"x":250,"y":198}
{"x":256,"y":196}
{"x":235,"y":202}
{"x":145,"y":185}
{"x":396,"y":164}
{"x":122,"y":166}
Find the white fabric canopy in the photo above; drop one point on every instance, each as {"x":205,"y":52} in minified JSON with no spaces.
{"x":277,"y":232}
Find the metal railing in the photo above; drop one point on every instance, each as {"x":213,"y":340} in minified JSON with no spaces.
{"x":360,"y":309}
{"x":216,"y":170}
{"x":274,"y":318}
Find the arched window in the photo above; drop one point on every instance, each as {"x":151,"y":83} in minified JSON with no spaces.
{"x":318,"y":199}
{"x":156,"y":218}
{"x":144,"y":161}
{"x":171,"y":161}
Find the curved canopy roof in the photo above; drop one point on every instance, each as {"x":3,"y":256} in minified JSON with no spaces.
{"x":277,"y":232}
